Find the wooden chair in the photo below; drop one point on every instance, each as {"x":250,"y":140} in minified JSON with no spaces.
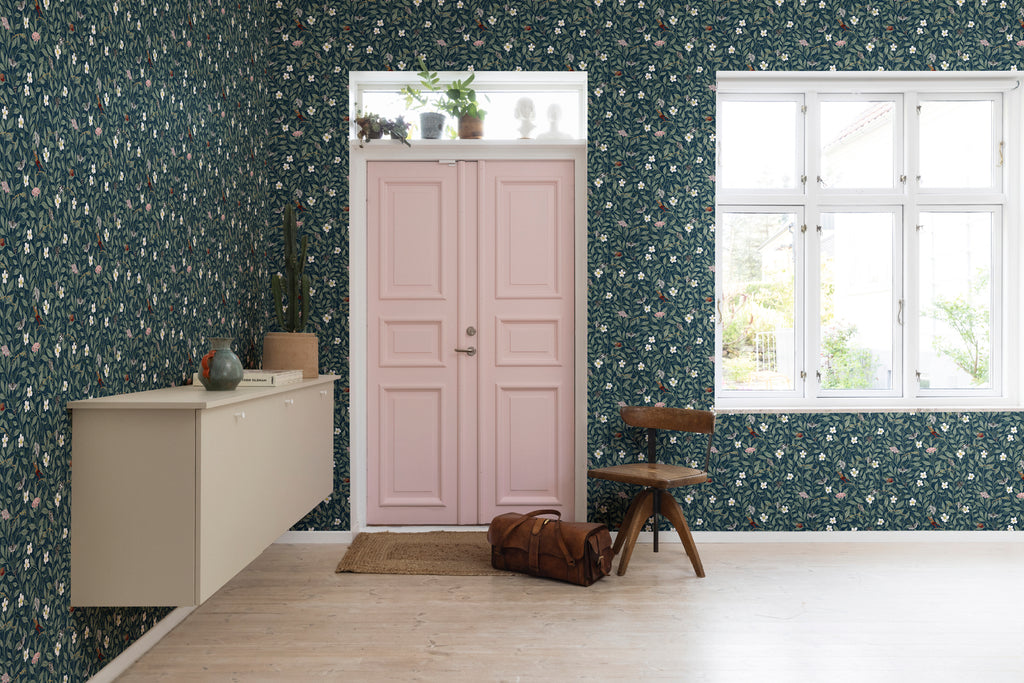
{"x":658,"y":479}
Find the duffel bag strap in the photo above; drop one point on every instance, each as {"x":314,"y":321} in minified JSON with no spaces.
{"x":522,"y":520}
{"x":569,"y":559}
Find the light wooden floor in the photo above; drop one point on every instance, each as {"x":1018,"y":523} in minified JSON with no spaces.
{"x":765,"y":612}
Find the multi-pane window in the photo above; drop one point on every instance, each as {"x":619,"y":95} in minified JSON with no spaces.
{"x":866,"y":239}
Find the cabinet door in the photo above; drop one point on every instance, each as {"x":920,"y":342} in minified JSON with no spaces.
{"x":263,"y":465}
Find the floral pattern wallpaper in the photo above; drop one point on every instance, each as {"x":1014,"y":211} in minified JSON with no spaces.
{"x":133,"y":214}
{"x":148,"y":147}
{"x":651,"y":69}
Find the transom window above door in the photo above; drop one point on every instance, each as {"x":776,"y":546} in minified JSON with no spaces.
{"x":867,"y":240}
{"x":557,"y":100}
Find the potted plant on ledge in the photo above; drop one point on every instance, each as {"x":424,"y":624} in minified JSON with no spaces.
{"x":374,"y":127}
{"x":431,"y":122}
{"x":292,"y":349}
{"x":460,"y":101}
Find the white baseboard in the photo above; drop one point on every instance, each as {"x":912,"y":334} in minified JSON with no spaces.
{"x":868,"y":536}
{"x":119,"y":664}
{"x":316,"y":537}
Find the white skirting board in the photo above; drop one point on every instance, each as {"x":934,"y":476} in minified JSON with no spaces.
{"x":119,"y":664}
{"x":924,"y":536}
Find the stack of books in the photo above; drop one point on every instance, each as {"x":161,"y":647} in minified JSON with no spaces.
{"x":263,"y":378}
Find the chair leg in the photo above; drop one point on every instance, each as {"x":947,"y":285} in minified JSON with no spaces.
{"x":640,"y":509}
{"x":670,"y":508}
{"x":620,"y":537}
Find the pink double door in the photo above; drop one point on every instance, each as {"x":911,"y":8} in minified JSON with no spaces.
{"x":470,"y":340}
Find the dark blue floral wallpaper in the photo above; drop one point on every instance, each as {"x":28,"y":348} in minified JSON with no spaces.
{"x":148,"y":146}
{"x":651,"y":69}
{"x":133,"y":215}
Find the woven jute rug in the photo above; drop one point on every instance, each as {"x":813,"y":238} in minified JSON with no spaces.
{"x":447,"y":553}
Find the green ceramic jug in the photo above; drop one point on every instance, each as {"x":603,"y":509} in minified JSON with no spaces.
{"x":220,"y":369}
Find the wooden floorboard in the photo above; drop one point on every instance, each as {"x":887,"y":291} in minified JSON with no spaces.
{"x":765,"y":612}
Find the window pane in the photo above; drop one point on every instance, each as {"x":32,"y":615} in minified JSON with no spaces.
{"x":758,"y":145}
{"x":956,"y":144}
{"x":956,"y":299}
{"x":858,"y":142}
{"x":757,"y":301}
{"x":856,"y":350}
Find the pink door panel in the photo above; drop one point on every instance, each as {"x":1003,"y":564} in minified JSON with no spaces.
{"x":529,"y":253}
{"x":412,"y":294}
{"x":412,"y":446}
{"x":525,"y":472}
{"x":526,"y":369}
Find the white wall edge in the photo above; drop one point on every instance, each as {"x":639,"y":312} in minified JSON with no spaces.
{"x":119,"y":664}
{"x":670,"y":537}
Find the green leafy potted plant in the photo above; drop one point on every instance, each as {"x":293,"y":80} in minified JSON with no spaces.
{"x":292,"y":349}
{"x":431,"y":122}
{"x":460,"y":101}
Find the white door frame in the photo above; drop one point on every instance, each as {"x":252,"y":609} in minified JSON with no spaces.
{"x":444,"y":151}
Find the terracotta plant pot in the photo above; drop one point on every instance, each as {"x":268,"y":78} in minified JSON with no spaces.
{"x":292,"y":351}
{"x":471,"y":127}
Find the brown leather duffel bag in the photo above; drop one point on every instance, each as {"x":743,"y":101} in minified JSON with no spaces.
{"x":577,"y":552}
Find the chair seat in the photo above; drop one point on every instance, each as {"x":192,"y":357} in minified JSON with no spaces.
{"x":655,"y":475}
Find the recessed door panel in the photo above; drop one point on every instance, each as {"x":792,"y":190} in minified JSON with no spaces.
{"x":527,"y":259}
{"x":527,"y":442}
{"x":410,"y":343}
{"x":527,"y":342}
{"x":413,"y":257}
{"x":412,"y":443}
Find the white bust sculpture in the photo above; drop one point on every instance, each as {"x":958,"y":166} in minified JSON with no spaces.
{"x":524,"y":114}
{"x":553,"y":133}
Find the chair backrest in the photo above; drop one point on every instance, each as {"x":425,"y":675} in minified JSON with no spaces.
{"x":653,"y":418}
{"x":676,"y":419}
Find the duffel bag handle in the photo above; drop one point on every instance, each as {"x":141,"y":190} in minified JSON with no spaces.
{"x":558,"y":532}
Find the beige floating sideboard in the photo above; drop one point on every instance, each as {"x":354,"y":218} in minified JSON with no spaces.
{"x":174,"y":491}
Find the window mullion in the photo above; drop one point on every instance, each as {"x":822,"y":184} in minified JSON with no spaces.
{"x":911,"y":248}
{"x":810,"y":270}
{"x":997,"y":350}
{"x":902,"y":321}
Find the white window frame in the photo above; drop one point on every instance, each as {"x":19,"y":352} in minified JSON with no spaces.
{"x":906,"y":199}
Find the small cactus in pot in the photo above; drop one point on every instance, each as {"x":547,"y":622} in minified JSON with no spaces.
{"x":294,"y":284}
